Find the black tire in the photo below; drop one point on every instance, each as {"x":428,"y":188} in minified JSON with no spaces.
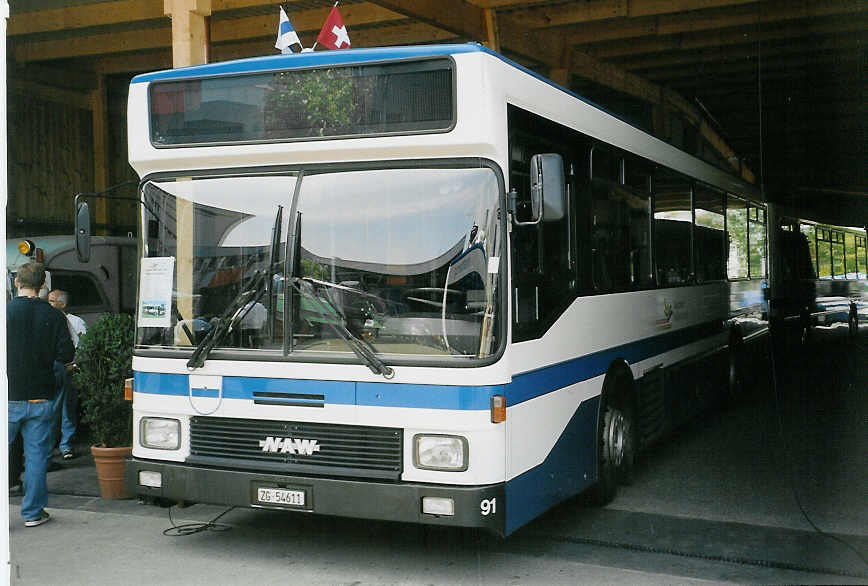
{"x":736,"y":386}
{"x":616,"y":452}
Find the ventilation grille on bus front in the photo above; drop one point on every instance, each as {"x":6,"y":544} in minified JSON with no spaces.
{"x":293,"y":447}
{"x":288,"y":399}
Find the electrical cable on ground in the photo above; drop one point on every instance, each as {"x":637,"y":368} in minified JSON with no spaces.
{"x":191,"y":528}
{"x":789,"y":461}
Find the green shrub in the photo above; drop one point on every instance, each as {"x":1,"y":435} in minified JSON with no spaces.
{"x":105,"y":358}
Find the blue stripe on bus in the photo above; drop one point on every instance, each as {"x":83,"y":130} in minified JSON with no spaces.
{"x":523,"y":387}
{"x":569,"y":468}
{"x":532,"y":384}
{"x":464,"y":398}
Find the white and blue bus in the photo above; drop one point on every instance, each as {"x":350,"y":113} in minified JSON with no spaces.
{"x":420,"y":284}
{"x":823,"y":270}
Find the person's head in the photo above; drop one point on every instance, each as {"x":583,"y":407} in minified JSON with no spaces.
{"x":59,"y":299}
{"x":30,"y":276}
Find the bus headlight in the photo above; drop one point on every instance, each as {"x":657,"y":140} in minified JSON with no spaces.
{"x":160,"y":433}
{"x":440,"y":452}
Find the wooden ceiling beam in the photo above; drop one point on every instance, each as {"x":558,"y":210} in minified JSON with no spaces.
{"x":112,"y":12}
{"x":752,"y":17}
{"x":305,"y":21}
{"x":757,"y":14}
{"x":570,"y":13}
{"x":740,"y":53}
{"x":655,"y":7}
{"x":41,"y":91}
{"x":456,"y":16}
{"x":504,"y":3}
{"x":398,"y":34}
{"x":721,"y":38}
{"x":630,"y":7}
{"x":85,"y":15}
{"x":772,"y":65}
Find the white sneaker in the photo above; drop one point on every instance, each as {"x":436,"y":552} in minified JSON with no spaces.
{"x":44,"y":517}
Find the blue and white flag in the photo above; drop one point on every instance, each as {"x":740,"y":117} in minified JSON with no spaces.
{"x":286,"y":35}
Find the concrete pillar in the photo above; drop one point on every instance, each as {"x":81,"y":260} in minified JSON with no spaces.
{"x":5,"y":573}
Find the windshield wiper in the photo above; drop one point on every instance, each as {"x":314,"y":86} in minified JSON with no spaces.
{"x":358,"y":346}
{"x":234,"y":313}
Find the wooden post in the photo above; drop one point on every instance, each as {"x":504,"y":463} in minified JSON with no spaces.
{"x":189,"y":30}
{"x":189,"y":47}
{"x":489,"y":25}
{"x":99,"y":114}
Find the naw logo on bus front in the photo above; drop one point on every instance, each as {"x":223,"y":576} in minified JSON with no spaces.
{"x":288,"y":445}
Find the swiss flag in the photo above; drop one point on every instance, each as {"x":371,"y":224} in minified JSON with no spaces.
{"x":334,"y":33}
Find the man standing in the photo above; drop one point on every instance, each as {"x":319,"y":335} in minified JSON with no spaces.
{"x":36,"y":337}
{"x":66,"y":402}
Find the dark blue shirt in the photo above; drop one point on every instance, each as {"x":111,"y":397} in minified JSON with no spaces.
{"x":36,"y":336}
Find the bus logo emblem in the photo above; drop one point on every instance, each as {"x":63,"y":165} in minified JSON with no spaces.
{"x":288,"y":445}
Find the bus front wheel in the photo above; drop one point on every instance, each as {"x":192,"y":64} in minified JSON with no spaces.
{"x":616,"y":454}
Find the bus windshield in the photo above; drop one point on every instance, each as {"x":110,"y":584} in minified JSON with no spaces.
{"x":404,"y":260}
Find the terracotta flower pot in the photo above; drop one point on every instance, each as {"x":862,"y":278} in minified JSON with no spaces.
{"x":110,"y":470}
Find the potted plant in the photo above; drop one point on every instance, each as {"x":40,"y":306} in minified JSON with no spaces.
{"x":104,"y":357}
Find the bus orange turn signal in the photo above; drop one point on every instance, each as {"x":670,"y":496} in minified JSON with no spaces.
{"x":498,"y":408}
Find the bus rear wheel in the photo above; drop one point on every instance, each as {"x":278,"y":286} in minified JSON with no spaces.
{"x":736,"y":376}
{"x":617,"y":450}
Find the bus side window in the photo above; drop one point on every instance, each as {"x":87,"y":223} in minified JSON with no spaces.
{"x":811,"y":236}
{"x":861,"y":258}
{"x":619,"y":223}
{"x":736,"y":231}
{"x":673,"y":219}
{"x":544,"y":275}
{"x":824,"y":253}
{"x":756,"y":234}
{"x":708,"y":235}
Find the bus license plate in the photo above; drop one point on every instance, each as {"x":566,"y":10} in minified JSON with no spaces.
{"x":280,"y":496}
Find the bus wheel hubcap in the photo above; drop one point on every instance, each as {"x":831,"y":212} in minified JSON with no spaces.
{"x":616,"y":436}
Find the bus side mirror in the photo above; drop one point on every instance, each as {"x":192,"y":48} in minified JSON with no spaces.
{"x":547,"y":179}
{"x":82,"y":231}
{"x":548,"y":198}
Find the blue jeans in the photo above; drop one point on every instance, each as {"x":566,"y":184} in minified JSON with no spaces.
{"x":65,"y":409}
{"x":34,"y":421}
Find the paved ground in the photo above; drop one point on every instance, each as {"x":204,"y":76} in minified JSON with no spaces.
{"x":770,"y":490}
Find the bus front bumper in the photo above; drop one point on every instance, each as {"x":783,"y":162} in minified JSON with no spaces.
{"x":474,"y":506}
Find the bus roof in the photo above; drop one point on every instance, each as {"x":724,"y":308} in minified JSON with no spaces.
{"x":345,"y":57}
{"x":311,"y":59}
